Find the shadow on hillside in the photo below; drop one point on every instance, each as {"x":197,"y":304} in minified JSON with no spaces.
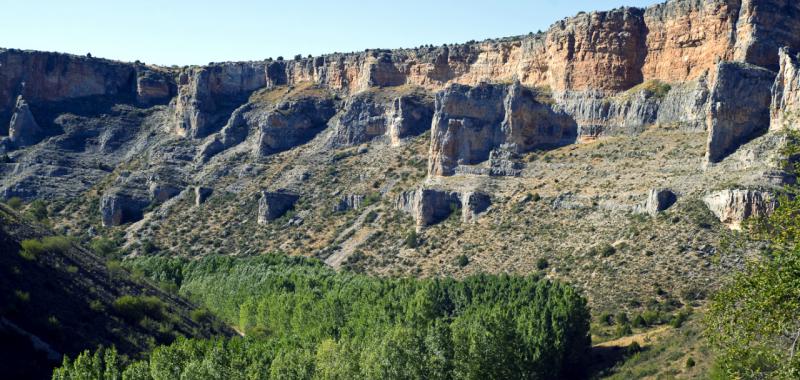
{"x":604,"y":359}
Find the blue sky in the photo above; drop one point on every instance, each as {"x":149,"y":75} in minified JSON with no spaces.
{"x":200,"y":31}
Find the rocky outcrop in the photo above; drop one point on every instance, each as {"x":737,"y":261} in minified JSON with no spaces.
{"x":117,"y":208}
{"x":430,"y":206}
{"x":763,"y":28}
{"x":785,"y":109}
{"x":162,"y":192}
{"x":23,"y":129}
{"x":732,"y":207}
{"x":153,"y":86}
{"x":371,"y":115}
{"x":739,"y":107}
{"x":685,"y":105}
{"x":473,"y":204}
{"x":348,"y":202}
{"x":659,"y":200}
{"x":208,"y":94}
{"x":52,"y":77}
{"x":273,"y":205}
{"x":470,"y":122}
{"x":201,"y":194}
{"x":291,"y":124}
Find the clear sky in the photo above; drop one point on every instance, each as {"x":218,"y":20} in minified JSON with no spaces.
{"x":201,"y":31}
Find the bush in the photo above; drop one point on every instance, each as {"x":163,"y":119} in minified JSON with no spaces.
{"x":690,"y":363}
{"x":638,"y":321}
{"x":462,"y":261}
{"x":15,"y":203}
{"x":542,"y":263}
{"x":623,"y":330}
{"x":411,"y":239}
{"x":136,"y":308}
{"x":38,"y":210}
{"x":32,"y":248}
{"x":371,"y":216}
{"x":104,"y":247}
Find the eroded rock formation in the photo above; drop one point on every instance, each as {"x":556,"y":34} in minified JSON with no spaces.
{"x":117,"y":208}
{"x":370,"y":115}
{"x":23,"y":129}
{"x":739,"y":110}
{"x":734,"y":206}
{"x":273,"y":205}
{"x":659,"y":200}
{"x":470,"y":122}
{"x":429,"y":206}
{"x":785,"y":109}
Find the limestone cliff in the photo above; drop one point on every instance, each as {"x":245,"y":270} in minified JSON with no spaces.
{"x":785,"y":108}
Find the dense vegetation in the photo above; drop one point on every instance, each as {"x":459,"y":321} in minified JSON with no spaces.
{"x":755,"y":320}
{"x":303,"y":320}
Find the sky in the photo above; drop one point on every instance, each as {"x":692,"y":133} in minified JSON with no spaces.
{"x":182,"y":32}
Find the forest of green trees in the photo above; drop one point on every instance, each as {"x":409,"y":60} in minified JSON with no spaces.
{"x":302,"y":320}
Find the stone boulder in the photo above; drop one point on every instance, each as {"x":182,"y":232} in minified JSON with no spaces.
{"x":734,"y":206}
{"x":785,"y":109}
{"x":117,"y":208}
{"x":201,"y":194}
{"x":739,"y":108}
{"x":23,"y":130}
{"x":292,"y":123}
{"x":659,"y":200}
{"x":273,"y":205}
{"x":470,"y":122}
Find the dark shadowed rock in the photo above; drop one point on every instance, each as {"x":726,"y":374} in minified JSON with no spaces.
{"x":201,"y":194}
{"x":291,"y":124}
{"x":473,"y":204}
{"x":349,"y":202}
{"x":740,"y":108}
{"x":273,"y":205}
{"x":118,"y":208}
{"x":659,"y":200}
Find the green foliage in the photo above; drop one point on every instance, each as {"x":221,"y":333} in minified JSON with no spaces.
{"x":15,"y":202}
{"x":32,"y":248}
{"x":754,"y":321}
{"x":105,"y":247}
{"x":136,"y":308}
{"x":304,"y":320}
{"x":411,"y":240}
{"x":38,"y":210}
{"x":462,"y":261}
{"x":542,"y":263}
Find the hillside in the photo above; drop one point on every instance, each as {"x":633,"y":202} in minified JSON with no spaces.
{"x":60,"y":299}
{"x":620,"y":152}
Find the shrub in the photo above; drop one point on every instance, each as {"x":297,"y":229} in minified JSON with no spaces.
{"x":104,"y":247}
{"x":32,"y":248}
{"x":15,"y":203}
{"x":136,"y":308}
{"x":201,"y":315}
{"x":411,"y":239}
{"x":542,"y":263}
{"x":690,"y":362}
{"x":606,"y":319}
{"x":638,"y":321}
{"x":621,"y":318}
{"x":371,"y":216}
{"x":462,"y":261}
{"x":624,"y":329}
{"x":38,"y":210}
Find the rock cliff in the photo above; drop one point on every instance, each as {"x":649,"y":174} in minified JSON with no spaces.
{"x":471,"y":122}
{"x":734,"y":206}
{"x":785,"y":108}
